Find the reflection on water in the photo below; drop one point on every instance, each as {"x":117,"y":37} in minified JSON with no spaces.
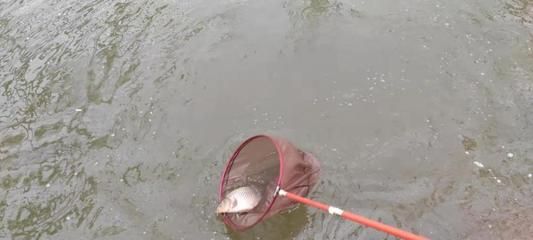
{"x":116,"y":118}
{"x":48,"y":195}
{"x":522,"y":9}
{"x":285,"y":226}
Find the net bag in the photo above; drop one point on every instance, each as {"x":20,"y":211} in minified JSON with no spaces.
{"x":268,"y":163}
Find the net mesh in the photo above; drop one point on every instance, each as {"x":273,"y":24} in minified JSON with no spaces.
{"x":267,"y":162}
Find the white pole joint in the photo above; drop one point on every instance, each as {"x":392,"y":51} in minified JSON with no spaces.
{"x":282,"y":192}
{"x":335,"y":211}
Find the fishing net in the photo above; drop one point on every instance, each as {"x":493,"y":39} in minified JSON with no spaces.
{"x":269,"y":164}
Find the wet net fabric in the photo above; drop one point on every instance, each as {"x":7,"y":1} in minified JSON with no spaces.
{"x":266,"y":162}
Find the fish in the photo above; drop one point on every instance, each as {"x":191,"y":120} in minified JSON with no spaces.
{"x":240,"y":200}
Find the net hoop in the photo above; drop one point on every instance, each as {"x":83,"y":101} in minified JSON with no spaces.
{"x":227,"y":169}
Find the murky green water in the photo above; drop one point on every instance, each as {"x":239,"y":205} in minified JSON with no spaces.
{"x":117,"y":116}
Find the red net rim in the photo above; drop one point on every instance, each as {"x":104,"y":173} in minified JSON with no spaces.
{"x":227,"y":168}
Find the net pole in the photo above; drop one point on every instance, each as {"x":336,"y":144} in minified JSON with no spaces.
{"x":352,"y":217}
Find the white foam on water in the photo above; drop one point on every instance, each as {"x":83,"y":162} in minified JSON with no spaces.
{"x":478,"y":164}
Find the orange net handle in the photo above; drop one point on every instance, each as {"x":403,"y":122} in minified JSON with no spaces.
{"x":353,"y":217}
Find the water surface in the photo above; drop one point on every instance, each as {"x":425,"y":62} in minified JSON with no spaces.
{"x":116,"y":117}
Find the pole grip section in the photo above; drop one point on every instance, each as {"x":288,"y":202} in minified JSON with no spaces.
{"x":353,"y":217}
